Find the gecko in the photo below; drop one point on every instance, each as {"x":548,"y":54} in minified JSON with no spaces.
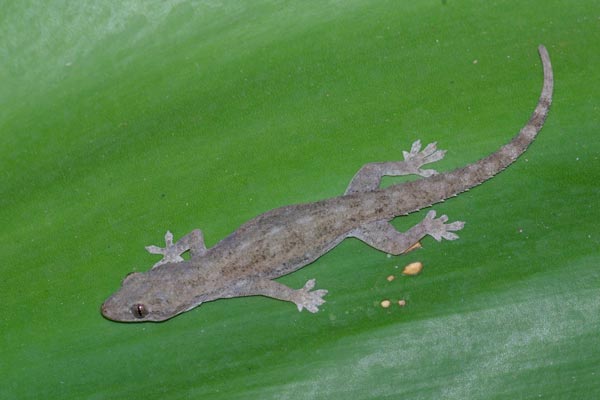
{"x":285,"y":239}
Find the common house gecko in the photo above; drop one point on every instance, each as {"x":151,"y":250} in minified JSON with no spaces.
{"x":285,"y":239}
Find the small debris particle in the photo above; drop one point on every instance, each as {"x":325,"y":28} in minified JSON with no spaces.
{"x":475,"y":61}
{"x":413,"y":247}
{"x":390,"y":278}
{"x":414,"y":268}
{"x":402,"y":303}
{"x":385,"y":303}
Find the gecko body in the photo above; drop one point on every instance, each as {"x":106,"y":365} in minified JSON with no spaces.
{"x":285,"y":239}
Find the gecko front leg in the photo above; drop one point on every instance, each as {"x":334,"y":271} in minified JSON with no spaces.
{"x":193,"y":241}
{"x":303,"y":298}
{"x":368,"y":178}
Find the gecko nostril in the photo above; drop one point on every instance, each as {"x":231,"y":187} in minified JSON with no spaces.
{"x":104,"y":310}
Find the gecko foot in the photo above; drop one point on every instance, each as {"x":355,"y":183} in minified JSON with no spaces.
{"x":415,"y":159}
{"x":438,"y":229}
{"x":171,"y":252}
{"x":304,"y":298}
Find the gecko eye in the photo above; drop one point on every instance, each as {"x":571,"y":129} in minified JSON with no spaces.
{"x":139,"y":310}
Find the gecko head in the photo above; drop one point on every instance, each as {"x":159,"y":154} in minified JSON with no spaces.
{"x":149,"y":296}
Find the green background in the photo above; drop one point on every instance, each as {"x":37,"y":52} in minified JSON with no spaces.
{"x":120,"y":120}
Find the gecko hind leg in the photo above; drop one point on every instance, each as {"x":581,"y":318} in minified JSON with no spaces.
{"x":383,"y":236}
{"x":193,"y":241}
{"x":368,"y":178}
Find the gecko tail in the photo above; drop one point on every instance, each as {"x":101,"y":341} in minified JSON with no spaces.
{"x":484,"y":169}
{"x":445,"y":185}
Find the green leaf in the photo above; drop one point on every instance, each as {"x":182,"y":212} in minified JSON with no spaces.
{"x":120,"y":120}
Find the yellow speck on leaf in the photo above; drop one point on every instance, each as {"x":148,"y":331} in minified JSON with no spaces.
{"x":413,"y":268}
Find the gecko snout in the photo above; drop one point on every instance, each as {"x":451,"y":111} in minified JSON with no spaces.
{"x":107,"y":310}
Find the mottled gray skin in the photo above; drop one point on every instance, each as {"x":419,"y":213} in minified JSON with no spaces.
{"x":286,"y":239}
